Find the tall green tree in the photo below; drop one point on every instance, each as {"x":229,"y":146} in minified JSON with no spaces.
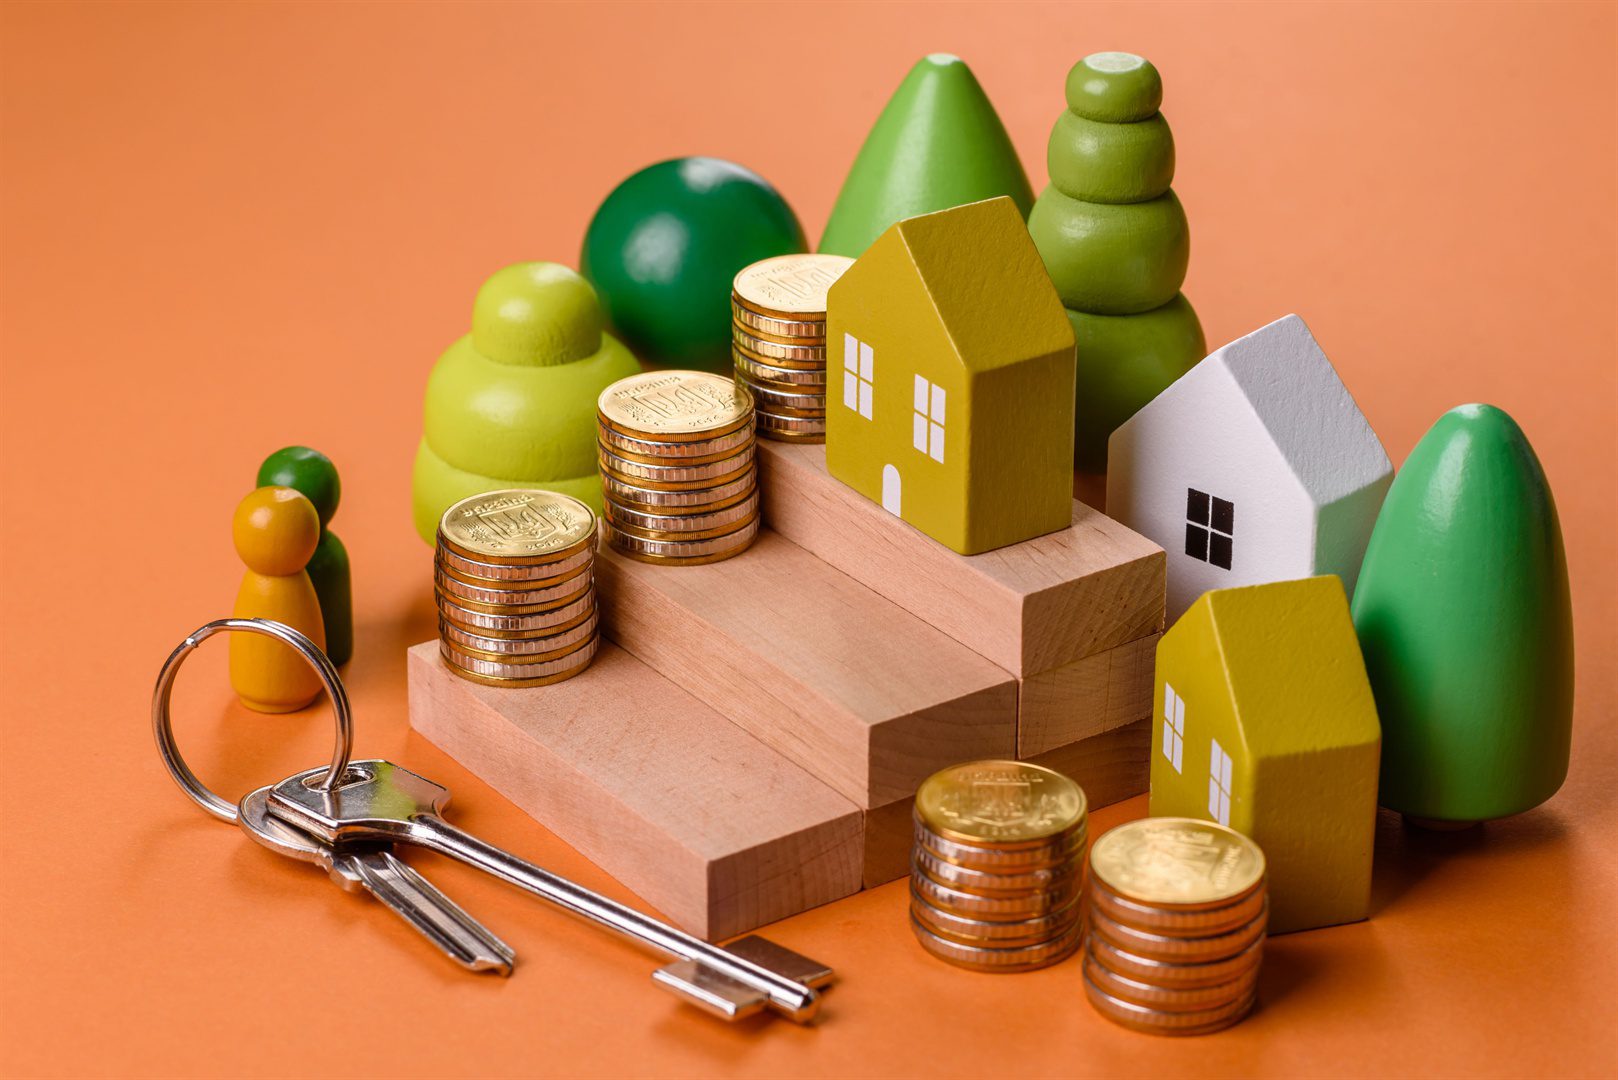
{"x":1116,"y":243}
{"x":1464,"y":618}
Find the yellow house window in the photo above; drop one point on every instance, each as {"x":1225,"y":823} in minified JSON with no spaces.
{"x":1173,"y":726}
{"x":1219,"y":784}
{"x":927,"y":422}
{"x":859,"y":375}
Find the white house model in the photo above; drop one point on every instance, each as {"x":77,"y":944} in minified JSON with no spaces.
{"x":1255,"y":466}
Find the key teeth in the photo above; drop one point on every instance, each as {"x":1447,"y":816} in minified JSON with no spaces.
{"x":710,"y":990}
{"x":781,"y":960}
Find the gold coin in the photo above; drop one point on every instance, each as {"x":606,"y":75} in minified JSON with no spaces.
{"x":1180,"y":861}
{"x":808,"y":330}
{"x":791,"y":428}
{"x":673,"y":405}
{"x":1059,"y":850}
{"x":1035,"y":904}
{"x":575,"y":661}
{"x":562,"y":645}
{"x":997,"y":960}
{"x":681,"y":552}
{"x":789,"y":285}
{"x":463,"y":592}
{"x":688,"y":526}
{"x":520,"y":650}
{"x":792,"y":401}
{"x":986,"y":932}
{"x":1168,"y":998}
{"x":518,"y":525}
{"x":1163,"y":973}
{"x":991,"y":882}
{"x":680,"y":501}
{"x":676,"y":476}
{"x":1174,"y":922}
{"x":812,"y":357}
{"x":753,"y":372}
{"x":999,"y":803}
{"x":1178,"y":950}
{"x":628,"y":529}
{"x":1161,"y":1022}
{"x":548,"y":621}
{"x":660,"y":451}
{"x":525,"y":575}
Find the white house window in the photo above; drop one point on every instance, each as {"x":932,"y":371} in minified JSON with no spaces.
{"x":1210,"y":524}
{"x":927,"y":422}
{"x":1219,"y":784}
{"x":859,"y":375}
{"x":1173,"y":726}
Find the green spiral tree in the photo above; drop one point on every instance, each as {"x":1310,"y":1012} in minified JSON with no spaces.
{"x":1116,"y":243}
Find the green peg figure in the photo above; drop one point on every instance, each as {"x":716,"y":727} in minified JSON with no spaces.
{"x":311,"y":474}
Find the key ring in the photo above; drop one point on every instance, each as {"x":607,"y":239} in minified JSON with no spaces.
{"x":199,"y":792}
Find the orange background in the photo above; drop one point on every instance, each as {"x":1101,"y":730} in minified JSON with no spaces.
{"x":231,"y":227}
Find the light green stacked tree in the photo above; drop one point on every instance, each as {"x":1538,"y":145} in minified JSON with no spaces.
{"x":1116,"y":243}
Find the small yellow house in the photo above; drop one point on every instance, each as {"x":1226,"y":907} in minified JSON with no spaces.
{"x":950,"y":379}
{"x":1265,"y":722}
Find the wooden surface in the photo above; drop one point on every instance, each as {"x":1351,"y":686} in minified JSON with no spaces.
{"x":1102,"y":691}
{"x":1029,"y":607}
{"x":862,"y":694}
{"x":701,"y":820}
{"x":229,"y":227}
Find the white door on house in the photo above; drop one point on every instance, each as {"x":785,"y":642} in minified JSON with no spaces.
{"x":890,"y":489}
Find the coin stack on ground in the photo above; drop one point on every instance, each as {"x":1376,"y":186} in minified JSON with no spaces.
{"x":1177,"y":911}
{"x":515,"y":581}
{"x":778,"y":341}
{"x":677,"y":473}
{"x":996,"y":868}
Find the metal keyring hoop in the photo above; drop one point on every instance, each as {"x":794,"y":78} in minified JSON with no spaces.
{"x":199,"y":792}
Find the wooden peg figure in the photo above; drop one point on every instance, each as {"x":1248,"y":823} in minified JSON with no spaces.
{"x":275,"y":531}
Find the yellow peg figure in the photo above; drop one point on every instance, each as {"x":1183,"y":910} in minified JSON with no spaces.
{"x":275,"y":531}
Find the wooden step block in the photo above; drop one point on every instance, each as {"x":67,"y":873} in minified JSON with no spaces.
{"x":1098,"y":693}
{"x":864,"y":695}
{"x":1029,"y":607}
{"x":1110,"y":767}
{"x":710,"y":826}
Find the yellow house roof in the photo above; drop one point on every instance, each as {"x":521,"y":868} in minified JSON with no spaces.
{"x":1293,"y":663}
{"x":987,"y":282}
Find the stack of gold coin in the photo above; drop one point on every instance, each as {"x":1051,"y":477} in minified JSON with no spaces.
{"x":778,"y":341}
{"x":515,"y":581}
{"x":996,"y":867}
{"x":677,"y":473}
{"x":1177,"y":912}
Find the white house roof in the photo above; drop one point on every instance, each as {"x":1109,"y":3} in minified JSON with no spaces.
{"x":1304,"y":407}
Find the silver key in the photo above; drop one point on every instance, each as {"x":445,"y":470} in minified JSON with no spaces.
{"x":379,"y":801}
{"x":374,"y":869}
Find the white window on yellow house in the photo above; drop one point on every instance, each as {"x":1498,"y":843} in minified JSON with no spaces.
{"x":1219,"y":784}
{"x":927,"y":422}
{"x":1173,"y":726}
{"x":859,"y":375}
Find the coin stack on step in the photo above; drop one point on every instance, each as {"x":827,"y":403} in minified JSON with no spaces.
{"x":778,"y":341}
{"x":1177,"y":911}
{"x":515,"y":582}
{"x":996,"y":867}
{"x":677,"y":473}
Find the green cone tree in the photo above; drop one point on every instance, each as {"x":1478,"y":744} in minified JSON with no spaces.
{"x":1465,"y":621}
{"x":1116,"y":243}
{"x":938,"y":144}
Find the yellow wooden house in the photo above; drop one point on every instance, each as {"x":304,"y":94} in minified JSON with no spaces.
{"x":951,"y":373}
{"x":1265,"y":722}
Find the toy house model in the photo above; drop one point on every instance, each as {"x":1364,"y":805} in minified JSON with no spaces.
{"x":1254,"y":466}
{"x":1265,"y":722}
{"x":951,"y":371}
